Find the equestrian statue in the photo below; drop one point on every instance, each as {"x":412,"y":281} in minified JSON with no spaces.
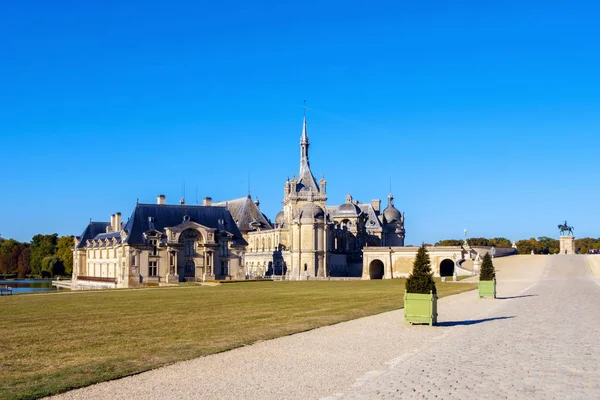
{"x":565,"y":229}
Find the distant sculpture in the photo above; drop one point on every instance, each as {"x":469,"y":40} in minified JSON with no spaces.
{"x":565,"y":229}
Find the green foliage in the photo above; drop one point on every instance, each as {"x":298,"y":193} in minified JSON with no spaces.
{"x":496,"y":242}
{"x":23,"y":259}
{"x":586,"y":244}
{"x":52,"y":266}
{"x":64,"y":251}
{"x":23,"y":266}
{"x":487,"y":272}
{"x":421,"y":278}
{"x":42,"y":246}
{"x":543,"y":245}
{"x":449,"y":242}
{"x":14,"y":258}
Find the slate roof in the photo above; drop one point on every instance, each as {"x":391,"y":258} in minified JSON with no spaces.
{"x":366,"y":208}
{"x":166,"y":215}
{"x":91,"y":231}
{"x":244,"y":212}
{"x":109,"y":236}
{"x":306,"y":182}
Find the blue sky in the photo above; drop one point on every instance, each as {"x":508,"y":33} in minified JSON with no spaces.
{"x":483,"y":116}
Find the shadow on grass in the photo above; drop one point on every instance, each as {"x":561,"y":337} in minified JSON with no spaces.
{"x":516,"y":297}
{"x":470,"y":321}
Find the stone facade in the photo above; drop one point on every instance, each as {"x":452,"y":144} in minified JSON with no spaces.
{"x":162,"y":244}
{"x":310,"y":238}
{"x":159,"y":244}
{"x":397,"y":262}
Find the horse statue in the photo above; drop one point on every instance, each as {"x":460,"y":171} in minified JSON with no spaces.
{"x":565,"y":229}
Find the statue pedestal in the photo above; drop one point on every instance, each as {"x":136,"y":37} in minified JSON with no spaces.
{"x":567,"y":245}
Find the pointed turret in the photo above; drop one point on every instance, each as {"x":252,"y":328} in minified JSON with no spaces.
{"x":304,"y":143}
{"x":306,"y":180}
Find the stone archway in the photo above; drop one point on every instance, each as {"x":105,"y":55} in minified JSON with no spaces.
{"x":376,"y":269}
{"x":447,"y":267}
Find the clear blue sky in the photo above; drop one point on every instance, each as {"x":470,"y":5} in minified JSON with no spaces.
{"x":484,"y":116}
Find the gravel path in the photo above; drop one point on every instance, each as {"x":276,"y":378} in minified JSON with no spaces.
{"x":372,"y":357}
{"x":542,"y":345}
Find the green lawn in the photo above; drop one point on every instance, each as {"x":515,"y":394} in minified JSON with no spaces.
{"x":51,"y":343}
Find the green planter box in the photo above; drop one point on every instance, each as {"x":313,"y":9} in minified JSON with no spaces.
{"x":487,"y":289}
{"x":420,"y":308}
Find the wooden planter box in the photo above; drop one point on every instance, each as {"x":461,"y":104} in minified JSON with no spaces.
{"x":420,"y":308}
{"x":487,"y":289}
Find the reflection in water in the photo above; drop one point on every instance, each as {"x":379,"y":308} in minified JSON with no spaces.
{"x":29,"y":285}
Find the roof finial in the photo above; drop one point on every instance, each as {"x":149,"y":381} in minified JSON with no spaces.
{"x":304,"y":108}
{"x":249,"y":185}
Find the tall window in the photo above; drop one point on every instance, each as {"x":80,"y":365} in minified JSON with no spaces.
{"x":172,"y":263}
{"x":189,"y":247}
{"x":154,"y":244}
{"x":224,"y":249}
{"x":152,"y":268}
{"x":224,"y":268}
{"x":190,"y":238}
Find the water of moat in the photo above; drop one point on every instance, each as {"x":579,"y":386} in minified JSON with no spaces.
{"x":21,"y":286}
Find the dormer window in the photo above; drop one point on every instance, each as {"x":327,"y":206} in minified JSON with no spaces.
{"x":154,"y":247}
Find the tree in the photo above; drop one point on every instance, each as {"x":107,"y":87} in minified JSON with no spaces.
{"x":525,"y":246}
{"x":52,"y":266}
{"x":42,"y":246}
{"x":500,"y":242}
{"x":449,"y":242}
{"x":487,"y":272}
{"x":23,"y":268}
{"x":65,"y":252}
{"x":480,"y":241}
{"x":585,"y":244}
{"x":421,"y":278}
{"x":8,"y":252}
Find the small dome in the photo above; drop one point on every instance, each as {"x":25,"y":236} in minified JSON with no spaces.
{"x":391,"y":214}
{"x":311,"y":210}
{"x":280,"y":218}
{"x":348,"y":210}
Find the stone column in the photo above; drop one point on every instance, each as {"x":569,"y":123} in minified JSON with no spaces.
{"x":567,"y":244}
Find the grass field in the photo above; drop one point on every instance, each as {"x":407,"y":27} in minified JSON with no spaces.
{"x":51,"y":343}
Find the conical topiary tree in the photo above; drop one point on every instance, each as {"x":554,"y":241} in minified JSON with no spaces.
{"x":487,"y":272}
{"x":421,"y":278}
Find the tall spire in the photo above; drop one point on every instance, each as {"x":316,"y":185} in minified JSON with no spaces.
{"x":306,"y":180}
{"x":304,"y":143}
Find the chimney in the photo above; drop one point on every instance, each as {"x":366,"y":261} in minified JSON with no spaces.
{"x":117,"y":222}
{"x":111,"y":227}
{"x":376,"y":205}
{"x":182,"y":201}
{"x":161,"y":199}
{"x":207,"y":201}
